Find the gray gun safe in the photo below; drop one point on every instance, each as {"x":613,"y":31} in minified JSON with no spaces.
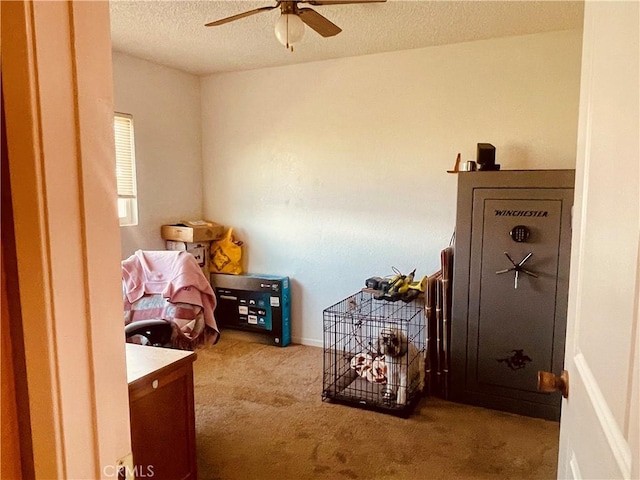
{"x":510,"y":287}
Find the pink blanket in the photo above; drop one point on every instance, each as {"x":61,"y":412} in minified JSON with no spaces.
{"x":175,"y":275}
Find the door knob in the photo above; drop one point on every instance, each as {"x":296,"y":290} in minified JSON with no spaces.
{"x":550,"y":382}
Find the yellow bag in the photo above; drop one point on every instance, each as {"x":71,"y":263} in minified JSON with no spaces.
{"x":226,"y":255}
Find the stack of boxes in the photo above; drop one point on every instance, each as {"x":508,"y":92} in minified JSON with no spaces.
{"x":193,"y":236}
{"x":257,"y":303}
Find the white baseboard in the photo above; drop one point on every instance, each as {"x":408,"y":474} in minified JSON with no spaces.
{"x":310,"y":342}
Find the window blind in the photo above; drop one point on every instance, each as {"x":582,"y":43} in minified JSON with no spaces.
{"x":125,"y":155}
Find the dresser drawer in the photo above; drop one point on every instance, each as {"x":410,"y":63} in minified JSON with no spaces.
{"x":162,"y":414}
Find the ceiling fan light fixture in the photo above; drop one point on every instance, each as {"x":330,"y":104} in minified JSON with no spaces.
{"x":289,"y":29}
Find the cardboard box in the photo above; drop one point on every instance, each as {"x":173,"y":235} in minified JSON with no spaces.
{"x":200,"y":250}
{"x":256,"y":303}
{"x":192,"y":231}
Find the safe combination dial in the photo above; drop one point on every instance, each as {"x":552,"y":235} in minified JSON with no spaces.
{"x":520,"y":233}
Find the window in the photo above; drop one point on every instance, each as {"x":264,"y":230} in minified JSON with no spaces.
{"x":125,"y":169}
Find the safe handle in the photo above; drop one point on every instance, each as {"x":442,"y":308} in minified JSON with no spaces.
{"x":517,"y":268}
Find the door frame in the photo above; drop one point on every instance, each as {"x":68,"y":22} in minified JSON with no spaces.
{"x":57,"y":84}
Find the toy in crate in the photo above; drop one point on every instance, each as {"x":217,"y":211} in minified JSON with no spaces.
{"x":374,"y":352}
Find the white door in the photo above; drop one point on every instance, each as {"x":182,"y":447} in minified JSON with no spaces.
{"x":600,"y":423}
{"x":57,"y":91}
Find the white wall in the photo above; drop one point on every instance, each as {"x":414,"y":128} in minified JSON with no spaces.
{"x":165,"y":104}
{"x":335,"y":171}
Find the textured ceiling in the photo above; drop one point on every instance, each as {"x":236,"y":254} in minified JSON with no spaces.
{"x":172,"y":33}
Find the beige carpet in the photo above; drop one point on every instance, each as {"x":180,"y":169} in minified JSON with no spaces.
{"x":260,"y":415}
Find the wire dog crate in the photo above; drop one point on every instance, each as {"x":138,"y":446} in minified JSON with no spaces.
{"x":374,"y":353}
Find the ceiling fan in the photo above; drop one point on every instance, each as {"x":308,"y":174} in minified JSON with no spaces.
{"x":290,"y":26}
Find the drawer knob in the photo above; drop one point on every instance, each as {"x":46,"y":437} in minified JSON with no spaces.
{"x":154,"y":384}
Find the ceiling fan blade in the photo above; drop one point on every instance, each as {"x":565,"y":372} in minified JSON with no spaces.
{"x":319,"y":23}
{"x":240,"y":15}
{"x":339,"y":2}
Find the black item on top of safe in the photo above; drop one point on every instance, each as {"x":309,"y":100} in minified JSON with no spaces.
{"x":486,"y":157}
